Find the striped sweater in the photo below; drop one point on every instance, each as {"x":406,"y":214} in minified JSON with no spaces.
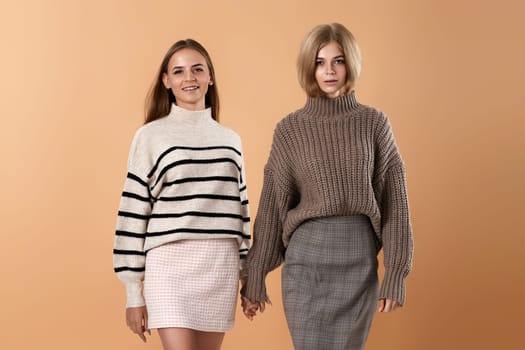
{"x":333,"y":157}
{"x":185,"y":180}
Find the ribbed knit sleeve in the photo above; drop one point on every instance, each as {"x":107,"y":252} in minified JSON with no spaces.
{"x":134,"y":211}
{"x":277,"y":198}
{"x":396,"y":234}
{"x":396,"y":231}
{"x":267,"y":252}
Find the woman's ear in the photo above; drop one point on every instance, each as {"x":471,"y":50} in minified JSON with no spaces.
{"x":165,"y":80}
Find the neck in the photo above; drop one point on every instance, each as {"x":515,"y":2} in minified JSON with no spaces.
{"x":331,"y":107}
{"x":193,"y":106}
{"x":186,"y":116}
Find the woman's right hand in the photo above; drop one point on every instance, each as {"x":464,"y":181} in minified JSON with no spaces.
{"x":137,"y":321}
{"x":250,"y":308}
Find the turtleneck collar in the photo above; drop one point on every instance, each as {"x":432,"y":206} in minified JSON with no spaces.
{"x":189,"y":117}
{"x":331,"y":107}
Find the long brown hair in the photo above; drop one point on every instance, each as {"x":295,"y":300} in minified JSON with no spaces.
{"x":159,"y":99}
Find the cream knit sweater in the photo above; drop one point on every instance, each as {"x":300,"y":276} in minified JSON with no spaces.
{"x":333,"y":157}
{"x":185,"y":181}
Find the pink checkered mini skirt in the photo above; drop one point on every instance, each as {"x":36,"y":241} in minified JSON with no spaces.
{"x":193,"y":284}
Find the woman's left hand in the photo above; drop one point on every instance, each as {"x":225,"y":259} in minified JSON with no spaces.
{"x":250,"y":308}
{"x":387,"y":305}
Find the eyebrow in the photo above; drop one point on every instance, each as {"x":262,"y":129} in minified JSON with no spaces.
{"x":195,"y":65}
{"x":336,"y":57}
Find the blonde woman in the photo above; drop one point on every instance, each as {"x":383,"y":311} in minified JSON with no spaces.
{"x":183,"y":221}
{"x":334,"y":194}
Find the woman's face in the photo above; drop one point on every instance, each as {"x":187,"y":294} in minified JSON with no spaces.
{"x":188,"y":77}
{"x":330,"y":72}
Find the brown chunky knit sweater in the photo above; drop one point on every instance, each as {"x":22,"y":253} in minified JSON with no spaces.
{"x":333,"y":157}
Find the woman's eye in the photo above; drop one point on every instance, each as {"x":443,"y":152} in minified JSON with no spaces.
{"x":340,"y":61}
{"x":319,"y":63}
{"x":199,"y":69}
{"x":178,"y":71}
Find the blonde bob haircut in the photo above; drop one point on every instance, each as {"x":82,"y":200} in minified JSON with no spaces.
{"x":314,"y":41}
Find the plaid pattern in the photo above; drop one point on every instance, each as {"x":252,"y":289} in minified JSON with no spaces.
{"x":193,"y":284}
{"x":329,"y":283}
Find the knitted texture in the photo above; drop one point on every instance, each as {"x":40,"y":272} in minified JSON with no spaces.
{"x":186,"y":180}
{"x":333,"y":157}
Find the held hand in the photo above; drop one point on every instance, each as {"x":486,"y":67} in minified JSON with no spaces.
{"x":250,"y":308}
{"x":137,"y":321}
{"x":387,"y":305}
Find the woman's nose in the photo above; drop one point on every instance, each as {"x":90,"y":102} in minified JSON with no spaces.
{"x":329,"y":69}
{"x":188,"y":75}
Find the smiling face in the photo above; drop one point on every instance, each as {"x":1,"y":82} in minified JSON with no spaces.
{"x":330,"y":71}
{"x":188,"y":77}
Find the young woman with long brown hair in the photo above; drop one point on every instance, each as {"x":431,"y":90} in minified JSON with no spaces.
{"x":183,"y":220}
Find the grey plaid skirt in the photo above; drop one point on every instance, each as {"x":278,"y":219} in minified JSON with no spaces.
{"x":329,"y":283}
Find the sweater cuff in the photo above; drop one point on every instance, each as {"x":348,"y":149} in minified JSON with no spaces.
{"x":393,"y":286}
{"x":134,"y":294}
{"x":254,"y":286}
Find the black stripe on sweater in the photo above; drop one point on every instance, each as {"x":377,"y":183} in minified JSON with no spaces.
{"x":136,"y":178}
{"x":127,"y":268}
{"x":198,"y":230}
{"x":171,"y":149}
{"x":195,"y":213}
{"x":135,"y":196}
{"x":178,"y":215}
{"x":194,"y":161}
{"x":201,"y":179}
{"x":244,"y":202}
{"x":128,"y":214}
{"x":199,"y":196}
{"x":243,"y":188}
{"x":129,"y":234}
{"x":128,"y":252}
{"x":140,"y":181}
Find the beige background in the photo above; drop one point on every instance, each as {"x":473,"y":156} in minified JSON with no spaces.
{"x":73,"y":77}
